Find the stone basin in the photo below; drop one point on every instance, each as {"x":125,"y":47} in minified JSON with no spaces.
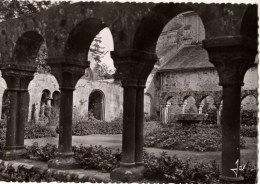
{"x":189,"y":118}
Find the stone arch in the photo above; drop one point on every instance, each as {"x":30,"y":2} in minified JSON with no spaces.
{"x":207,"y":100}
{"x":99,"y":55}
{"x":246,"y":93}
{"x":252,"y":102}
{"x":27,"y":47}
{"x":44,"y":104}
{"x":187,"y":95}
{"x":81,"y":37}
{"x":153,"y":23}
{"x":249,"y":24}
{"x":189,"y":104}
{"x":96,"y":104}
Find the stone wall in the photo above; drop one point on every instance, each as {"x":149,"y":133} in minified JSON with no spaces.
{"x":205,"y":80}
{"x":113,"y":95}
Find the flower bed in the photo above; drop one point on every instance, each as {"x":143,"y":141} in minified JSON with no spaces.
{"x":163,"y":168}
{"x":191,"y":138}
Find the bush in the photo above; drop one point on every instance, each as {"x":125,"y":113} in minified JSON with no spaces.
{"x":172,"y":169}
{"x":249,"y":117}
{"x":43,"y":153}
{"x":193,"y":138}
{"x":37,"y":131}
{"x":97,"y":157}
{"x":212,"y":116}
{"x":248,"y":131}
{"x":150,"y":127}
{"x":93,"y":126}
{"x":164,"y":168}
{"x":2,"y":129}
{"x":153,"y":117}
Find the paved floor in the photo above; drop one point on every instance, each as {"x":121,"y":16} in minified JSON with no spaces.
{"x":114,"y":141}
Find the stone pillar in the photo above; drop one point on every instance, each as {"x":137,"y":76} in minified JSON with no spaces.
{"x":67,"y":71}
{"x":183,"y":107}
{"x":219,"y":110}
{"x":22,"y":116}
{"x":1,"y":103}
{"x":164,"y":112}
{"x":232,"y":57}
{"x":200,"y":108}
{"x":139,"y":125}
{"x":133,"y":73}
{"x":17,"y":79}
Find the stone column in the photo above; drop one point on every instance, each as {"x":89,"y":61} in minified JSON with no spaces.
{"x":17,"y":79}
{"x":131,"y":69}
{"x":129,"y":111}
{"x":219,"y":110}
{"x":164,"y":112}
{"x":232,"y":57}
{"x":67,"y":71}
{"x":22,"y":116}
{"x":200,"y":108}
{"x":1,"y":103}
{"x":139,"y":125}
{"x":183,"y":107}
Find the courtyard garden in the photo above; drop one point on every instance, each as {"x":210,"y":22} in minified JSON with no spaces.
{"x":168,"y":156}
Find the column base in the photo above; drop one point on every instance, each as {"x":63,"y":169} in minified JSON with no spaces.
{"x":128,"y":173}
{"x":227,"y":179}
{"x":13,"y":154}
{"x":64,"y":162}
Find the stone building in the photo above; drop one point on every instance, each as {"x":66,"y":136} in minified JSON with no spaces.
{"x":185,"y":77}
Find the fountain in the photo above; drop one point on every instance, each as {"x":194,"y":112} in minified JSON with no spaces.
{"x":189,"y":118}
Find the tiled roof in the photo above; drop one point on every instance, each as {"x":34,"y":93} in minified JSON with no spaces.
{"x":189,"y":57}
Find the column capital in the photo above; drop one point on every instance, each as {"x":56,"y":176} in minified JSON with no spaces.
{"x":232,"y":56}
{"x":67,"y":70}
{"x":17,"y":76}
{"x":133,"y":65}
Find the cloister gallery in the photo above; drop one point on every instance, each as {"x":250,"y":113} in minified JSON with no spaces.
{"x":225,"y":46}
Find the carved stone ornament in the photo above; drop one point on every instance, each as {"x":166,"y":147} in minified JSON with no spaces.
{"x":232,"y":57}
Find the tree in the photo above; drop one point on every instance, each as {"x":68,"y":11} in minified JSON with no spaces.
{"x":14,"y":8}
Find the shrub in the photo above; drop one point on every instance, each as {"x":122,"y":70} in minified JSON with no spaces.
{"x":212,"y":116}
{"x":150,"y":127}
{"x":93,"y":126}
{"x":171,"y":169}
{"x":97,"y":157}
{"x":164,"y":168}
{"x":37,"y":131}
{"x":153,"y":117}
{"x":248,"y":131}
{"x":192,"y":138}
{"x":249,"y":117}
{"x":43,"y":153}
{"x":2,"y":129}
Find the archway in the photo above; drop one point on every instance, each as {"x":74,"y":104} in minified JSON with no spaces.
{"x":249,"y":110}
{"x":101,"y":63}
{"x":45,"y":105}
{"x":189,"y":105}
{"x":96,"y":106}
